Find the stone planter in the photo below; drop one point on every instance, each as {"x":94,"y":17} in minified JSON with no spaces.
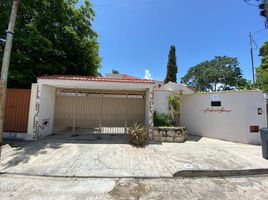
{"x":170,"y":134}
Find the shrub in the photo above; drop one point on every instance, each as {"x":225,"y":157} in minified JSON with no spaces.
{"x":163,"y":120}
{"x":137,"y":135}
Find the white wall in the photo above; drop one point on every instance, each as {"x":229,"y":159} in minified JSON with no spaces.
{"x":161,"y":101}
{"x":233,"y":125}
{"x":41,"y":113}
{"x":47,"y":104}
{"x":149,"y":111}
{"x":32,"y":108}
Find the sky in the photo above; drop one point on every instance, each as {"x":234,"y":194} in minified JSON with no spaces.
{"x":135,"y":35}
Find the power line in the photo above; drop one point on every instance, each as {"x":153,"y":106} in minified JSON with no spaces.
{"x":255,"y":44}
{"x":251,"y":4}
{"x":131,"y":4}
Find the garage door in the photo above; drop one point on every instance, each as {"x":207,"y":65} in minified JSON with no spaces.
{"x":86,"y":112}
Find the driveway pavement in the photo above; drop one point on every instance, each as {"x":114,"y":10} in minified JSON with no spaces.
{"x":111,"y":156}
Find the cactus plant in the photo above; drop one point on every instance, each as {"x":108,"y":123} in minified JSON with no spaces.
{"x":137,"y":135}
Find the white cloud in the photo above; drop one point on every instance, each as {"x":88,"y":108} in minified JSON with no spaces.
{"x":148,"y":75}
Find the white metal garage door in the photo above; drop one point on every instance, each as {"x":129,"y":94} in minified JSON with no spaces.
{"x":97,"y":112}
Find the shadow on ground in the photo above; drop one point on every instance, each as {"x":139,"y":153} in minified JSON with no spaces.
{"x":194,"y":138}
{"x":16,"y":152}
{"x":20,"y":152}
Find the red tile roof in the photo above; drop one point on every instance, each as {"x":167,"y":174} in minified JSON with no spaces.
{"x":124,"y":79}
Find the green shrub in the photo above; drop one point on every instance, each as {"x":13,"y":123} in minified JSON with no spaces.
{"x":163,"y":120}
{"x":137,"y":135}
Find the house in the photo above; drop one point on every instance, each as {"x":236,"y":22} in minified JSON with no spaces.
{"x":69,"y":104}
{"x":111,"y":104}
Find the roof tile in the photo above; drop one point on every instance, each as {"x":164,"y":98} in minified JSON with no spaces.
{"x":124,"y":79}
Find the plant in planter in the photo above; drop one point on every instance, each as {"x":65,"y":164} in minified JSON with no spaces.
{"x":174,"y":106}
{"x":137,"y":135}
{"x":163,"y":120}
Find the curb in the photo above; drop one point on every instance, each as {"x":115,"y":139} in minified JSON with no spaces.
{"x":179,"y":174}
{"x":84,"y":177}
{"x":221,"y":173}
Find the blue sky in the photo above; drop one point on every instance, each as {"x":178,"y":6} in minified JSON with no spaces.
{"x":135,"y":35}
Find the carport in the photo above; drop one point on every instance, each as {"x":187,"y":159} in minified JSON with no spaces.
{"x":89,"y":105}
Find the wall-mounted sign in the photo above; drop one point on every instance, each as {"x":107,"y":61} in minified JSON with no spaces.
{"x":215,"y":97}
{"x":216,"y":110}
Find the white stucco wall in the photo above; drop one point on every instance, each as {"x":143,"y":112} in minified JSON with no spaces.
{"x":32,"y":108}
{"x":161,"y":101}
{"x":47,"y":104}
{"x":41,"y":113}
{"x":149,"y":110}
{"x":233,"y":125}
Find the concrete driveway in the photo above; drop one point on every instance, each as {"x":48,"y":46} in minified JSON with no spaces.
{"x":111,"y":156}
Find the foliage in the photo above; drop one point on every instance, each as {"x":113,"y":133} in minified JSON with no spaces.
{"x":137,"y":135}
{"x":51,"y":37}
{"x":172,"y":68}
{"x":163,"y":120}
{"x":221,"y":73}
{"x":262,"y":70}
{"x":174,"y":103}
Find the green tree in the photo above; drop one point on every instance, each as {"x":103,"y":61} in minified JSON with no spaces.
{"x":262,"y":70}
{"x":51,"y":37}
{"x":221,"y":73}
{"x":172,"y":68}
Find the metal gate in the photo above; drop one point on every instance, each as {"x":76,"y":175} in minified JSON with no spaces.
{"x":86,"y":112}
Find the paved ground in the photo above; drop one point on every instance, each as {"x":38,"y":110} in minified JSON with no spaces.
{"x":113,"y":157}
{"x":43,"y":188}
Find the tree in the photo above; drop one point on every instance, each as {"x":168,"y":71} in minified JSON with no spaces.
{"x":262,"y":70}
{"x":221,"y":73}
{"x":51,"y":37}
{"x":172,"y":68}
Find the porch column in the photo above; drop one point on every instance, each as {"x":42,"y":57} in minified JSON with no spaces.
{"x":149,"y":112}
{"x":101,"y":114}
{"x":126,"y":112}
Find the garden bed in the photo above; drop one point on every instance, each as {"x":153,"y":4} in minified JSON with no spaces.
{"x":170,"y":134}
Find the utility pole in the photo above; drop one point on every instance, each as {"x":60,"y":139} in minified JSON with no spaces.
{"x":252,"y":58}
{"x":5,"y":64}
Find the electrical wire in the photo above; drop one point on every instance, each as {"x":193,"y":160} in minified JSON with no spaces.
{"x":251,"y":4}
{"x":259,"y":31}
{"x":255,"y":44}
{"x":130,"y":4}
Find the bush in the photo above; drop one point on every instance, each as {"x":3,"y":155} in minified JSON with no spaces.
{"x":163,"y":120}
{"x":137,"y":135}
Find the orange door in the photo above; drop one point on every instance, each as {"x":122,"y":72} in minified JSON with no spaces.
{"x":17,"y":110}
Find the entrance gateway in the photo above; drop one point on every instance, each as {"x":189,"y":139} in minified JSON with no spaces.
{"x":84,"y":105}
{"x":98,"y":112}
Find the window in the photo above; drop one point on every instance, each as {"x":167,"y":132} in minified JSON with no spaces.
{"x":216,"y":103}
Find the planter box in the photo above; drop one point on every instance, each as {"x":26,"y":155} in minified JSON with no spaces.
{"x":170,"y":134}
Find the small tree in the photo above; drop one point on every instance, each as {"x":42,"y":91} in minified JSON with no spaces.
{"x":174,"y":102}
{"x":172,"y":68}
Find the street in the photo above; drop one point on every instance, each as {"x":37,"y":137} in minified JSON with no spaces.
{"x":31,"y":187}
